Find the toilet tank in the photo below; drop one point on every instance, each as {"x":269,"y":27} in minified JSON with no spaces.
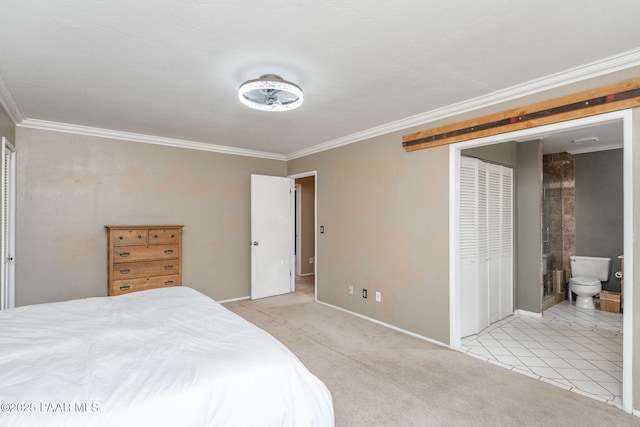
{"x":598,"y":268}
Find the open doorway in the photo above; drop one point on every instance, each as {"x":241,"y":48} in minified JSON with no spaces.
{"x":529,"y":300}
{"x":305,"y":232}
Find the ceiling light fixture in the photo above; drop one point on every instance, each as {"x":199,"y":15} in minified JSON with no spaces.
{"x":270,"y":93}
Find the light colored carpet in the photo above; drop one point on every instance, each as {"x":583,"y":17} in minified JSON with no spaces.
{"x":381,"y":377}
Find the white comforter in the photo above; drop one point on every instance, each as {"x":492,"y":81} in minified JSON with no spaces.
{"x":163,"y":357}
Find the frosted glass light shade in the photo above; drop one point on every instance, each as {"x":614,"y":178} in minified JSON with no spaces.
{"x":270,"y":93}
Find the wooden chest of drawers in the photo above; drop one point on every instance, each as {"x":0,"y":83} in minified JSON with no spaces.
{"x":143,"y":257}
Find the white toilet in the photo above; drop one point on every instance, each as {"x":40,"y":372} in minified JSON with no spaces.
{"x":587,"y":274}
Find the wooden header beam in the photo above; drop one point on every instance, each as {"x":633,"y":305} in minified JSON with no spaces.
{"x":589,"y":103}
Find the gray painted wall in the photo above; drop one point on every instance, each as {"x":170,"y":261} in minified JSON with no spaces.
{"x":386,"y":228}
{"x":70,"y":186}
{"x":505,"y":153}
{"x":599,"y":208}
{"x":7,"y":128}
{"x":529,"y":188}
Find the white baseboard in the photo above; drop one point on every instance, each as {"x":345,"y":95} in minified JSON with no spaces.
{"x":529,"y":313}
{"x":305,"y":274}
{"x":234,"y":299}
{"x":395,"y":328}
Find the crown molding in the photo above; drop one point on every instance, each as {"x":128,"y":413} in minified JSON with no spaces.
{"x":598,"y":68}
{"x":9,"y":103}
{"x":147,"y":139}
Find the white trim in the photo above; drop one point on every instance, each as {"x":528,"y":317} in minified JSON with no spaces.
{"x":9,"y":103}
{"x":298,"y":221}
{"x":598,"y":68}
{"x":623,"y":116}
{"x":292,"y":240}
{"x":8,"y":215}
{"x":234,"y":300}
{"x":147,"y":139}
{"x":454,"y":249}
{"x":306,"y":274}
{"x":528,"y":314}
{"x":627,"y":316}
{"x":395,"y":328}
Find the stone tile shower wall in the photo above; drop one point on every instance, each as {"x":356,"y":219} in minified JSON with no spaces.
{"x":558,"y":214}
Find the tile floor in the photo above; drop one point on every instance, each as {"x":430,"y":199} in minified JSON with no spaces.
{"x":576,"y":349}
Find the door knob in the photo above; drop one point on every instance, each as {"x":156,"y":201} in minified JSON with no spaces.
{"x":255,"y":243}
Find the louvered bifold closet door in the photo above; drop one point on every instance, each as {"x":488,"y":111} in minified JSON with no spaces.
{"x":494,"y":224}
{"x":468,"y":246}
{"x":486,"y":244}
{"x":506,"y":249}
{"x":7,"y":187}
{"x":483,"y":248}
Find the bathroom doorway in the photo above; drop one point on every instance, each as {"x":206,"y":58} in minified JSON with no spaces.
{"x":531,"y":261}
{"x":582,"y":206}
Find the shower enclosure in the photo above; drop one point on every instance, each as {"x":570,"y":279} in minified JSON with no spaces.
{"x":558,"y":225}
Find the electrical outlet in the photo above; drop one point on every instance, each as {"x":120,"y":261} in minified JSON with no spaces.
{"x":350,"y":290}
{"x":364,"y":293}
{"x":378,"y":296}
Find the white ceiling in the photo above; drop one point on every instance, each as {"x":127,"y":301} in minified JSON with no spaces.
{"x":171,"y":69}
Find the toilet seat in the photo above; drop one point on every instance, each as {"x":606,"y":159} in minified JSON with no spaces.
{"x":584,"y":281}
{"x":585,"y":289}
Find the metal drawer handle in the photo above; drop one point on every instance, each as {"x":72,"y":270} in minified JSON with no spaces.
{"x":168,"y":282}
{"x":124,"y":288}
{"x":127,"y":271}
{"x":139,"y":236}
{"x":168,"y":251}
{"x":124,"y":254}
{"x":173,"y":235}
{"x":168,"y":267}
{"x":120,"y":237}
{"x":155,"y":236}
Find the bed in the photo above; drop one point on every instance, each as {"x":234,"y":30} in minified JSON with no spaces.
{"x":161,"y":357}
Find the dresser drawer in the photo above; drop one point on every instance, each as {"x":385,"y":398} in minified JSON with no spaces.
{"x":133,"y":285}
{"x":133,"y":270}
{"x":125,"y":237}
{"x":148,"y":252}
{"x":142,"y":257}
{"x":164,"y":236}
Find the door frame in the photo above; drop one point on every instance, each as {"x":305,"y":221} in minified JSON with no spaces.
{"x":314,"y":174}
{"x":298,"y":225}
{"x":8,"y":216}
{"x":626,"y":119}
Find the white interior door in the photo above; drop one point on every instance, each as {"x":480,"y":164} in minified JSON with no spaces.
{"x":494,"y":224}
{"x":506,"y":262}
{"x":483,"y":248}
{"x":486,"y":254}
{"x":7,"y":188}
{"x":272,"y":212}
{"x":468,"y":248}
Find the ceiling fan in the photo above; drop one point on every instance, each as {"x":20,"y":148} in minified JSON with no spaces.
{"x":270,"y":92}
